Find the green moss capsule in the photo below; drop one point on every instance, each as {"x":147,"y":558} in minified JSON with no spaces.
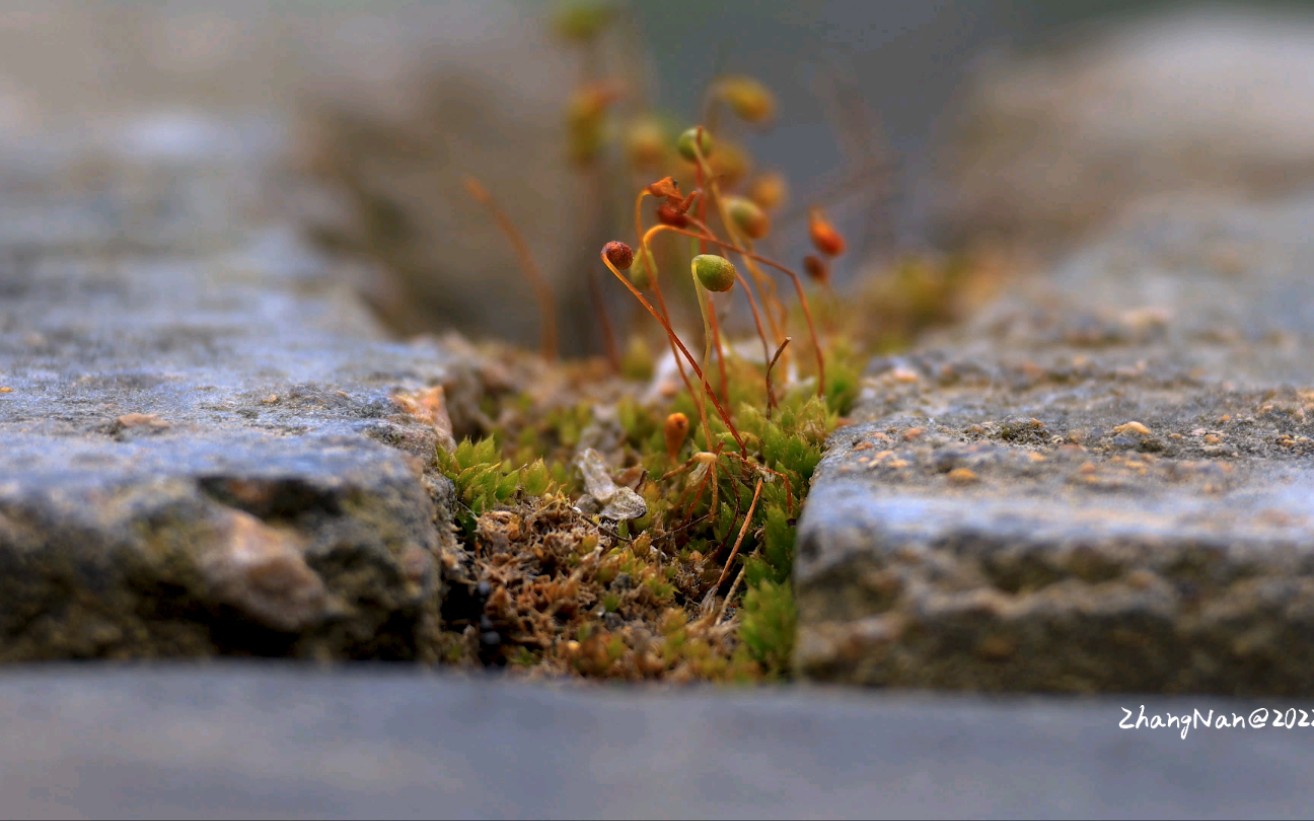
{"x":685,"y":145}
{"x":750,"y":219}
{"x":715,"y":273}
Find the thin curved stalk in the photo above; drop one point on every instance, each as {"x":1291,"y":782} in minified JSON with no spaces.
{"x":798,"y":286}
{"x":693,"y":363}
{"x":528,"y":265}
{"x":743,"y":283}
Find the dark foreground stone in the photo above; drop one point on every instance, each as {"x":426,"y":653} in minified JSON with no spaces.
{"x":208,"y":444}
{"x":1104,"y":485}
{"x":215,"y":742}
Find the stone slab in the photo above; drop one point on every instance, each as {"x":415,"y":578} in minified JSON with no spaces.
{"x":1102,"y":484}
{"x":1052,"y":144}
{"x":204,"y":448}
{"x":224,"y":741}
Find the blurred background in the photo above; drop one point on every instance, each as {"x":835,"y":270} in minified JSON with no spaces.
{"x":919,"y":125}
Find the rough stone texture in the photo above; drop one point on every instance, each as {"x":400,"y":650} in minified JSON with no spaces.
{"x":1052,"y":145}
{"x":254,"y":743}
{"x":1100,"y":485}
{"x":209,"y":445}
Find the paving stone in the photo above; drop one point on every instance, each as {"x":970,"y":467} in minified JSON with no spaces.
{"x":393,"y":107}
{"x":243,"y":742}
{"x":210,"y":446}
{"x":1051,"y":145}
{"x":1103,"y":483}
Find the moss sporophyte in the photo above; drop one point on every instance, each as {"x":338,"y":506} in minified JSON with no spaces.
{"x":634,"y":517}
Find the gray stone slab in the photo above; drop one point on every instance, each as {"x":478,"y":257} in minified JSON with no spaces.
{"x":1056,"y":142}
{"x":1104,"y":483}
{"x":223,"y":741}
{"x":203,"y":446}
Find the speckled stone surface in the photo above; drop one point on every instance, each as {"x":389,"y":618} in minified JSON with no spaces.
{"x":209,"y":446}
{"x":1102,"y":484}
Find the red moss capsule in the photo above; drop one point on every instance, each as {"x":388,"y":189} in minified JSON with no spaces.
{"x":816,"y":269}
{"x":668,"y":214}
{"x":824,"y":236}
{"x":619,"y":254}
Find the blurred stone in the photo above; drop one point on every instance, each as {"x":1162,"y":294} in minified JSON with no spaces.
{"x":1052,"y":145}
{"x":394,"y":150}
{"x":1138,"y":434}
{"x":246,"y":741}
{"x":210,"y":446}
{"x":394,"y":106}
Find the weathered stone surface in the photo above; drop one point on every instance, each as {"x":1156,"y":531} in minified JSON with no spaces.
{"x":237,"y":742}
{"x":209,"y":445}
{"x":1053,"y":145}
{"x":1103,"y":484}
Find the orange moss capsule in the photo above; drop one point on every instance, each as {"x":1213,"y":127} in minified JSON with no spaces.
{"x":768,"y":190}
{"x":824,"y":236}
{"x":675,"y":430}
{"x":619,"y":254}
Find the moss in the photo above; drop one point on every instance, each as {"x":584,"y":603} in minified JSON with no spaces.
{"x":565,"y":593}
{"x":698,"y":586}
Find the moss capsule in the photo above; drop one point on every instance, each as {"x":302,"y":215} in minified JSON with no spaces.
{"x":748,"y":217}
{"x":675,"y":431}
{"x":816,"y":268}
{"x":824,"y":236}
{"x":715,"y":273}
{"x":581,"y":21}
{"x":671,"y":215}
{"x":647,"y":143}
{"x":685,"y":145}
{"x":748,"y":98}
{"x":619,"y":254}
{"x":768,"y":191}
{"x":640,"y":272}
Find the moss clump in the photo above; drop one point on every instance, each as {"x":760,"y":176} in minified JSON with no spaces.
{"x":711,"y":445}
{"x":539,"y":586}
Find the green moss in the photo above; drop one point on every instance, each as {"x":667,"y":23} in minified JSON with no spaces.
{"x":698,"y":587}
{"x":632,"y":593}
{"x":768,"y":626}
